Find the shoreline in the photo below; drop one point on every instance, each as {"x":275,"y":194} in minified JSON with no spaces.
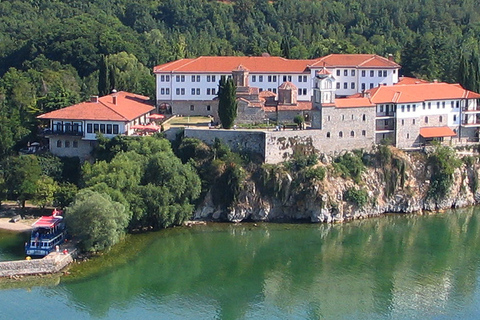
{"x":23,"y":225}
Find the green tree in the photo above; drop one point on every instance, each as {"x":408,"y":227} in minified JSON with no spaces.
{"x":45,"y":191}
{"x":227,"y":102}
{"x":96,"y":220}
{"x":65,"y":194}
{"x":21,"y":176}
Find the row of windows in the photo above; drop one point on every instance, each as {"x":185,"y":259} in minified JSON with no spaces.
{"x":164,"y":90}
{"x":302,"y":92}
{"x":67,"y":144}
{"x":102,"y":128}
{"x":352,"y":134}
{"x":194,"y":78}
{"x":192,"y":107}
{"x":380,"y":73}
{"x":364,"y":117}
{"x":345,"y":85}
{"x":194,"y":91}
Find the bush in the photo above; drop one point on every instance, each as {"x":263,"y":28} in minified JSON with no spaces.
{"x":358,"y":197}
{"x":317,"y":173}
{"x":349,"y":165}
{"x":300,"y":161}
{"x":443,"y":162}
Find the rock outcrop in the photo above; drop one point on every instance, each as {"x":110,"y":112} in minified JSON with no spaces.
{"x":324,"y":201}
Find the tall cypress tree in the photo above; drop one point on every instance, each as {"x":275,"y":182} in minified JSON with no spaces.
{"x":103,"y":75}
{"x":227,"y":102}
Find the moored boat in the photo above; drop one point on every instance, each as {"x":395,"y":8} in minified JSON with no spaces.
{"x":48,"y":232}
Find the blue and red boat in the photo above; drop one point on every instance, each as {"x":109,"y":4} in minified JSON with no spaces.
{"x":47,"y":233}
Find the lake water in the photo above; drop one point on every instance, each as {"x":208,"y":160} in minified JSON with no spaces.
{"x":393,"y":267}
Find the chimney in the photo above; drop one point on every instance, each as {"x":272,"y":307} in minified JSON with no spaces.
{"x":390,"y":57}
{"x":114,"y":96}
{"x":114,"y":99}
{"x":94,"y":99}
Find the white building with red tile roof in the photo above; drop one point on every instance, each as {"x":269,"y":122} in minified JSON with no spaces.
{"x":72,"y":130}
{"x":189,"y":86}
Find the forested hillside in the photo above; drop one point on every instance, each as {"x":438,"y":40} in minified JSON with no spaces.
{"x":51,"y":51}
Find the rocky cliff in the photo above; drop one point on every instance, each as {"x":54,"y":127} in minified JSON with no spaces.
{"x":396,"y":182}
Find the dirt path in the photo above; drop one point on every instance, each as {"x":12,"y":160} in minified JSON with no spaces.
{"x":20,"y":226}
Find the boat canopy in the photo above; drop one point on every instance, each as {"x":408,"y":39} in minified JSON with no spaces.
{"x":47,"y":221}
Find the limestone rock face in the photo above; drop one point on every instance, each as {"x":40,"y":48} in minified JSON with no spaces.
{"x":323,"y":201}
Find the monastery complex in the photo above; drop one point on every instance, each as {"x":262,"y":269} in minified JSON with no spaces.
{"x":349,"y":101}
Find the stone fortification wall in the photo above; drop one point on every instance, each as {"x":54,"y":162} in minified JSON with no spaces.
{"x":278,"y":146}
{"x":238,"y":140}
{"x":195,"y":108}
{"x":52,"y":263}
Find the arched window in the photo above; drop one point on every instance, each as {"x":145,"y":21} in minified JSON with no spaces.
{"x":340,"y":134}
{"x":426,"y":119}
{"x":364,"y":117}
{"x":328,"y":134}
{"x":59,"y":143}
{"x":440,"y":119}
{"x":364,"y":133}
{"x":352,"y":133}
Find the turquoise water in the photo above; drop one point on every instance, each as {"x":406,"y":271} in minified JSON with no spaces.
{"x":393,"y":267}
{"x":12,"y":245}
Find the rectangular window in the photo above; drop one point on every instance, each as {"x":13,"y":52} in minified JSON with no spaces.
{"x":438,"y":104}
{"x":338,"y":72}
{"x":192,"y":107}
{"x":67,"y":144}
{"x":414,"y":108}
{"x":198,"y":91}
{"x":284,"y":78}
{"x":96,"y":128}
{"x":381,"y":108}
{"x":345,"y":85}
{"x":304,"y":78}
{"x":193,"y":91}
{"x":162,"y":78}
{"x":208,"y":108}
{"x":363,"y":73}
{"x":167,"y":78}
{"x":208,"y":91}
{"x":182,"y":91}
{"x":260,"y":78}
{"x":304,"y":91}
{"x":177,"y":91}
{"x":299,"y":92}
{"x":177,"y":78}
{"x":443,"y":104}
{"x":363,"y":86}
{"x":213,"y":91}
{"x":109,"y":129}
{"x":338,"y":85}
{"x":115,"y":129}
{"x":193,"y":78}
{"x":89,"y":128}
{"x":371,"y":73}
{"x":352,"y":85}
{"x":408,"y":108}
{"x":274,"y":90}
{"x":290,"y":78}
{"x":269,"y":78}
{"x":208,"y":78}
{"x":274,"y":78}
{"x":452,"y":105}
{"x":379,"y":73}
{"x":167,"y":90}
{"x":345,"y":72}
{"x":352,"y":73}
{"x":300,"y":78}
{"x":371,"y":85}
{"x":75,"y":143}
{"x":102,"y":128}
{"x":384,"y":73}
{"x":429,"y":105}
{"x":198,"y":78}
{"x":162,"y":91}
{"x":213,"y":78}
{"x":183,"y":78}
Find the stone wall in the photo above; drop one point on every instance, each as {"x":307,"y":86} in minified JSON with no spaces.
{"x":52,"y":263}
{"x":71,"y":146}
{"x":248,"y":114}
{"x":195,"y":108}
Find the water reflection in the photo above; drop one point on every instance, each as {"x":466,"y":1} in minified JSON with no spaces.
{"x":391,"y":267}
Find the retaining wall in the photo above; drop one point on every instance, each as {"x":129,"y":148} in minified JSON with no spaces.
{"x":52,"y":263}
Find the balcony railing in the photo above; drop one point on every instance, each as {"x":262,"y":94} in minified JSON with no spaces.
{"x":386,"y":114}
{"x":62,"y":132}
{"x":384,"y":128}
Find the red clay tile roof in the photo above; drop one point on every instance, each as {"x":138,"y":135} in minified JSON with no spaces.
{"x":355,"y":60}
{"x":227,"y":64}
{"x":300,"y":106}
{"x":269,"y":64}
{"x":420,"y":92}
{"x":267,"y":94}
{"x":408,"y":80}
{"x":288,"y":86}
{"x":353,"y":102}
{"x":436,"y":132}
{"x":128,"y":107}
